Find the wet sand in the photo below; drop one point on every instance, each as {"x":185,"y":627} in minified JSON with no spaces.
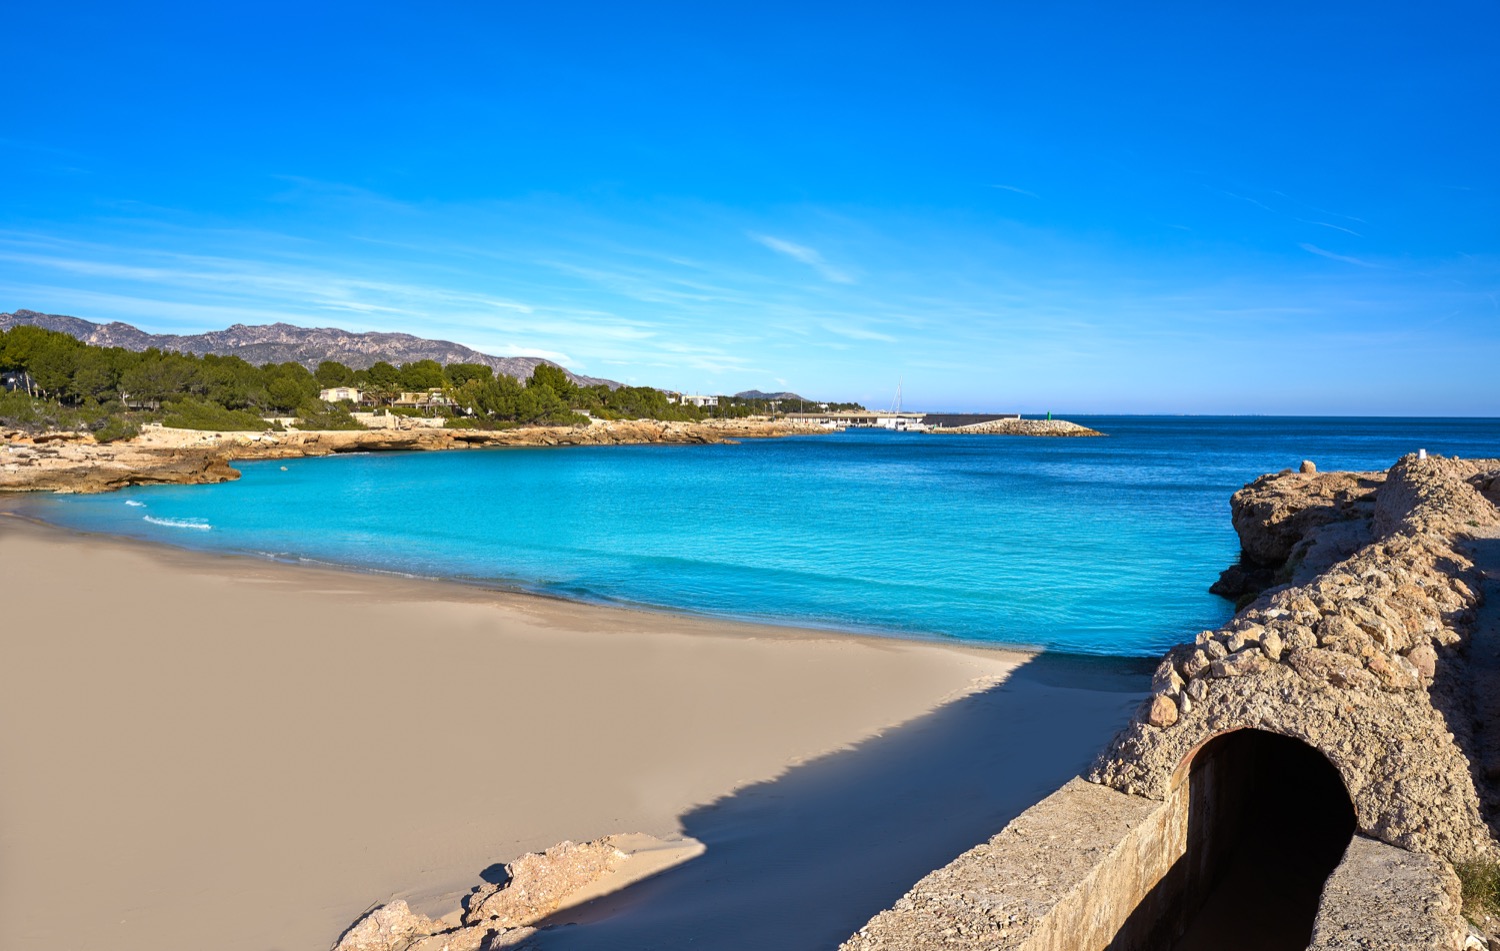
{"x":212,"y":751}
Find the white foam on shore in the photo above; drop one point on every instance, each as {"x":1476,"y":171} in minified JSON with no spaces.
{"x":196,"y":523}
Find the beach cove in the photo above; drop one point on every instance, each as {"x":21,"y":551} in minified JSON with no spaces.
{"x":204,"y":728}
{"x":222,"y":751}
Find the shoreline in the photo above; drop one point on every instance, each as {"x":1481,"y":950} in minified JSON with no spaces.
{"x":13,"y":507}
{"x":70,"y":462}
{"x":13,"y":511}
{"x":221,"y":733}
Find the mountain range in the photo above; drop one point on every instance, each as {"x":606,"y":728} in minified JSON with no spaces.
{"x":282,"y":343}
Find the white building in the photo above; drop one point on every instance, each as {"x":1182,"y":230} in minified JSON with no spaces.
{"x":337,"y":394}
{"x":699,"y":400}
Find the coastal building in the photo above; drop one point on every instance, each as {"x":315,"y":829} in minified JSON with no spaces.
{"x":15,"y":380}
{"x":424,"y":399}
{"x":699,"y":400}
{"x":338,"y":394}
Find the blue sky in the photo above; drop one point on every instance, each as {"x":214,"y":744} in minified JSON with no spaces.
{"x":1180,"y":208}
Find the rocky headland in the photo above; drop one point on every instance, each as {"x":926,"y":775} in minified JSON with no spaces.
{"x":1363,"y":644}
{"x":77,"y":463}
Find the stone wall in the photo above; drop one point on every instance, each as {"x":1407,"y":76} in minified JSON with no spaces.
{"x":1358,"y":655}
{"x":1346,"y":663}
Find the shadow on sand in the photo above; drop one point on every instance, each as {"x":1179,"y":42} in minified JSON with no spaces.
{"x":803,"y":861}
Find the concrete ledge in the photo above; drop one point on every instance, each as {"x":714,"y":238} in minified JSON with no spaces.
{"x":1384,"y":897}
{"x":1090,"y":868}
{"x":1064,"y":874}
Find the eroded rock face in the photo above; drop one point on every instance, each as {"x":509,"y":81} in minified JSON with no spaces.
{"x":540,"y":882}
{"x":494,"y":916}
{"x":1350,"y":661}
{"x":1275,"y":513}
{"x":75,"y":463}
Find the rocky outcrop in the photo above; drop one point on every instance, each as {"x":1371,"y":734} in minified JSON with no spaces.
{"x":1294,"y":524}
{"x":75,"y":462}
{"x":395,"y":927}
{"x":540,"y":882}
{"x":1364,"y":663}
{"x":1020,"y":427}
{"x":1350,"y":662}
{"x":494,"y":916}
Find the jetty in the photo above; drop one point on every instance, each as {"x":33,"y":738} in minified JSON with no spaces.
{"x":1003,"y":424}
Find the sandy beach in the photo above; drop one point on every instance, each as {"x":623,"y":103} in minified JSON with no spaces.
{"x":208,"y":751}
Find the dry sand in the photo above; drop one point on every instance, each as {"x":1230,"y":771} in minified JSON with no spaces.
{"x":205,"y":751}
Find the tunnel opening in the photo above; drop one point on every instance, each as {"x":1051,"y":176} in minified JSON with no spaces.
{"x":1268,"y":819}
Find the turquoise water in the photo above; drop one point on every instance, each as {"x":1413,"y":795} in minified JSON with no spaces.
{"x":1094,"y":546}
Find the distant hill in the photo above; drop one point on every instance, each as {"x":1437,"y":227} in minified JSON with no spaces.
{"x":282,"y":343}
{"x":758,"y":395}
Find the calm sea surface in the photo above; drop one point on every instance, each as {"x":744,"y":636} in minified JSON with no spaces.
{"x":1095,"y":546}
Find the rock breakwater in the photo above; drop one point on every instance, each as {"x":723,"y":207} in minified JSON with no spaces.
{"x":1019,"y":427}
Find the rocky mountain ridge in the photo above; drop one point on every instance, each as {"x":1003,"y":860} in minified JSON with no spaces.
{"x":282,"y":343}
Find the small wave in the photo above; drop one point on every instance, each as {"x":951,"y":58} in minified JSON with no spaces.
{"x":134,"y":504}
{"x":196,"y":523}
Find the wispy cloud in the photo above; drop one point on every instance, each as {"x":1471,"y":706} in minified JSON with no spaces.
{"x":1246,"y":198}
{"x":858,"y":333}
{"x":1018,"y":191}
{"x":806,"y":255}
{"x":1320,"y":252}
{"x":1324,"y":224}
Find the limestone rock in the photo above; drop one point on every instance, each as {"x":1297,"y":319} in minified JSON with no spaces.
{"x":1424,"y":659}
{"x":1338,"y":658}
{"x":1273,"y":513}
{"x":391,"y":927}
{"x":1245,"y":661}
{"x":1162,"y":712}
{"x":540,"y":881}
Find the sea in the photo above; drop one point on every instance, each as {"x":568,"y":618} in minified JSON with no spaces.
{"x":1094,"y":546}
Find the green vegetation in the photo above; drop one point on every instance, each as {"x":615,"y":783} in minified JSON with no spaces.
{"x":63,"y":383}
{"x":735,"y":407}
{"x":192,"y":413}
{"x":19,"y":411}
{"x":1481,"y":888}
{"x":316,"y":414}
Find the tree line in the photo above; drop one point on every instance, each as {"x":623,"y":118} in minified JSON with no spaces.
{"x":66,"y":383}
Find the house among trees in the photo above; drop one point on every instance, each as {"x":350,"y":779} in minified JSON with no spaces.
{"x":15,"y":380}
{"x":338,"y":394}
{"x":426,"y":399}
{"x":699,"y":400}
